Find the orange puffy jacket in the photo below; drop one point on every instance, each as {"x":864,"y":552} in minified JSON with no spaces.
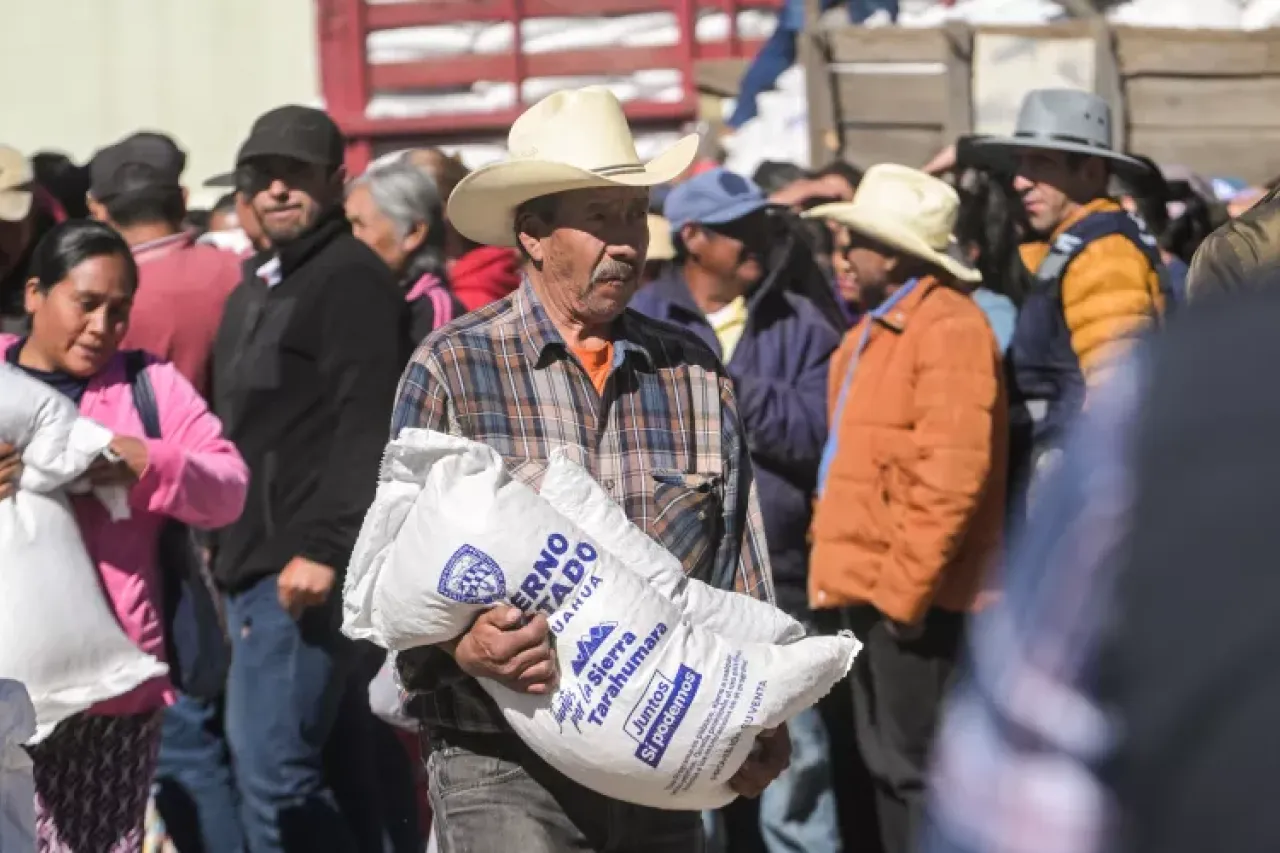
{"x":912,"y":510}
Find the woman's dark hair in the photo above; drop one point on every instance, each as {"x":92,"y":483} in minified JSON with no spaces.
{"x":73,"y":242}
{"x":990,"y":221}
{"x":64,"y":180}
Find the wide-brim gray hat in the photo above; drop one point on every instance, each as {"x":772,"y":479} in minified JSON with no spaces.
{"x":1070,"y":120}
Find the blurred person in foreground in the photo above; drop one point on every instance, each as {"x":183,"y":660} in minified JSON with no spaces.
{"x":776,"y":345}
{"x":1097,"y":283}
{"x":395,"y":209}
{"x":136,"y":188}
{"x":911,"y":486}
{"x":1121,"y":698}
{"x":478,"y":275}
{"x":306,"y":361}
{"x":27,"y":213}
{"x":564,"y":352}
{"x":93,"y":774}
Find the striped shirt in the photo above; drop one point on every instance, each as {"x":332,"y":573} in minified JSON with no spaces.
{"x":664,"y":439}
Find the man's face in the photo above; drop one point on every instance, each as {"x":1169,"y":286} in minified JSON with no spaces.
{"x":287,"y":195}
{"x":733,"y":251}
{"x":15,"y":237}
{"x":870,"y":266}
{"x":846,"y":276}
{"x":592,"y":255}
{"x":1051,"y":186}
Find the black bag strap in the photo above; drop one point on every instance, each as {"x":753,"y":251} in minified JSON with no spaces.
{"x":144,"y":396}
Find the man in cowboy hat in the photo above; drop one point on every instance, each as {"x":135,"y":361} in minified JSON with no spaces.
{"x":1097,"y":270}
{"x":912,"y":480}
{"x":647,"y":408}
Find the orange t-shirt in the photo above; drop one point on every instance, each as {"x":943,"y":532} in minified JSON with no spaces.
{"x":598,"y":363}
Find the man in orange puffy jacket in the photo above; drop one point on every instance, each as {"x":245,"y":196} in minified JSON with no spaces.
{"x":1097,"y":272}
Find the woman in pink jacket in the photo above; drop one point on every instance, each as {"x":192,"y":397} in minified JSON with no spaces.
{"x":93,"y":773}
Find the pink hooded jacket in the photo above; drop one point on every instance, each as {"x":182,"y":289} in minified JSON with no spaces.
{"x":193,"y":474}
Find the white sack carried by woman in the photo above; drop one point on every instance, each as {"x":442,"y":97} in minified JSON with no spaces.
{"x":650,"y":708}
{"x":58,"y":635}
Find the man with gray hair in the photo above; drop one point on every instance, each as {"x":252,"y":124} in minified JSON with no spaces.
{"x":644,"y":406}
{"x":395,"y":209}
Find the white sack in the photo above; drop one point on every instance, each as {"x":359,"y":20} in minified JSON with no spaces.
{"x":386,"y":698}
{"x":650,"y":708}
{"x":58,"y":635}
{"x":17,"y":780}
{"x":572,"y":492}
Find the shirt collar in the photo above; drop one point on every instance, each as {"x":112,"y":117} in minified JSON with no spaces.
{"x":163,"y":245}
{"x":543,"y":340}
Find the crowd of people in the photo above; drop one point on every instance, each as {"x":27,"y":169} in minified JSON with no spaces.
{"x":841,"y":392}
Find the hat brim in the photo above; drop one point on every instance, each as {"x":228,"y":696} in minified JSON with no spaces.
{"x":999,"y":152}
{"x":225,"y":180}
{"x":15,"y":205}
{"x":883,"y":227}
{"x":482,"y":206}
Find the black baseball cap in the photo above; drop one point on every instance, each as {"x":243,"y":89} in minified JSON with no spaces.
{"x":143,"y":162}
{"x":300,"y":133}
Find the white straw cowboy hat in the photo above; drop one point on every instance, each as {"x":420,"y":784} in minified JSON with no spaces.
{"x":1070,"y":120}
{"x":570,"y":140}
{"x":907,"y":210}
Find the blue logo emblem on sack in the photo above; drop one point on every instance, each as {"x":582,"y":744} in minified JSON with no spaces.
{"x":590,"y":644}
{"x":472,"y":577}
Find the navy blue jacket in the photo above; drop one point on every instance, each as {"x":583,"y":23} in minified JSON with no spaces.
{"x":779,"y":368}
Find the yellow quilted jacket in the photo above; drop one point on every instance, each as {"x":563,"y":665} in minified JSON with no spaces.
{"x":1107,"y":294}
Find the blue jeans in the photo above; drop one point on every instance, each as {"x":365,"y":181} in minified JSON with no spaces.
{"x":195,"y":790}
{"x":778,"y":53}
{"x":798,"y":812}
{"x":283,"y":694}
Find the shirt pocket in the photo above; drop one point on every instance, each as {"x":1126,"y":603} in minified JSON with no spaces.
{"x":688,"y":518}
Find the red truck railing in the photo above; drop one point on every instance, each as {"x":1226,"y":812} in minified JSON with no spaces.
{"x":349,"y":80}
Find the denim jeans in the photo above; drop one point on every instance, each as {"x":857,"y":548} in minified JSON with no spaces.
{"x":490,"y":793}
{"x":798,"y":811}
{"x":778,"y":53}
{"x":284,"y":689}
{"x":195,"y":790}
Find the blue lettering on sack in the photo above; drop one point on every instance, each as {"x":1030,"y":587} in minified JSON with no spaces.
{"x":612,"y":672}
{"x":472,"y":577}
{"x":590,"y":643}
{"x":553,"y":578}
{"x":677,"y":697}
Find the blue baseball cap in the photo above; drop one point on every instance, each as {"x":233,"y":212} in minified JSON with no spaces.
{"x":715,"y":197}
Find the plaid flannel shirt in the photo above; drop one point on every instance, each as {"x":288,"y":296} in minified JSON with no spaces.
{"x":1024,"y":736}
{"x":665,"y":440}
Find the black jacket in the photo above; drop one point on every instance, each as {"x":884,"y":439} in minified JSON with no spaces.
{"x":304,"y":378}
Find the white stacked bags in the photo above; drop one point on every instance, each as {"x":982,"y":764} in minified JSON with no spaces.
{"x":652,"y":707}
{"x":58,"y":636}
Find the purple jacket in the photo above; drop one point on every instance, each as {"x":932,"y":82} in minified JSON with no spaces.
{"x":779,"y":368}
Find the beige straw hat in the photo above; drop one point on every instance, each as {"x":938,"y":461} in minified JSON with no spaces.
{"x":570,"y":140}
{"x":907,"y":210}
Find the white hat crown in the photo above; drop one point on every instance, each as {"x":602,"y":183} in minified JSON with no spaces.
{"x":585,"y":128}
{"x":915,"y":201}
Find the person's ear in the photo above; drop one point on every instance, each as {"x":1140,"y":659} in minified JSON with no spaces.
{"x":694,"y":239}
{"x":531,"y":231}
{"x":97,"y":210}
{"x":416,"y":237}
{"x":33,"y":298}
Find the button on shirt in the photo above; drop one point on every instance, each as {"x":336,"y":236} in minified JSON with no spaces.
{"x":664,"y":435}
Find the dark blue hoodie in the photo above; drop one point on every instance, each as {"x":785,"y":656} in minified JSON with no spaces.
{"x":779,"y":368}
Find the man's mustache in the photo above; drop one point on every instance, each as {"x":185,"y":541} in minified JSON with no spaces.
{"x":613,"y":270}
